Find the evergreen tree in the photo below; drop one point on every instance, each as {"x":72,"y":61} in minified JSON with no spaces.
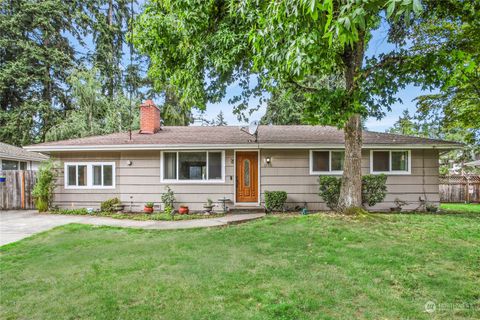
{"x":405,"y":125}
{"x":36,"y":58}
{"x":219,"y":120}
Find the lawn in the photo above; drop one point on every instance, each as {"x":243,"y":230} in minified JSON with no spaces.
{"x":460,"y":207}
{"x":281,"y":267}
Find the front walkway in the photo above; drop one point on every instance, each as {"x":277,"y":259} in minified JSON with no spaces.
{"x":16,"y":225}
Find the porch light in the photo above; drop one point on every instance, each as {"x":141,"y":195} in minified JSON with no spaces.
{"x":268,"y":160}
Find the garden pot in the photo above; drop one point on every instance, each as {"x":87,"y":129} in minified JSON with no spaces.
{"x":147,"y":210}
{"x":3,"y":178}
{"x":208,"y":208}
{"x":183,"y":210}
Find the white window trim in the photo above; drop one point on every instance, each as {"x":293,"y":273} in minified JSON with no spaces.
{"x":329,"y":172}
{"x":390,"y":172}
{"x":89,"y":175}
{"x":178,"y":181}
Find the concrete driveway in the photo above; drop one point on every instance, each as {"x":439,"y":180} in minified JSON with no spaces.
{"x":18,"y":224}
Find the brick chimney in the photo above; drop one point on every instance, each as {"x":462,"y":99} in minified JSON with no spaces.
{"x":149,"y":118}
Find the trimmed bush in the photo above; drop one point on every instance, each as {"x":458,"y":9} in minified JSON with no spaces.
{"x":329,"y":190}
{"x":374,"y":189}
{"x":110,"y":205}
{"x":275,"y":200}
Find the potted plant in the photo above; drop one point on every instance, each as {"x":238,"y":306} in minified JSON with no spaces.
{"x":148,"y":207}
{"x":3,"y":177}
{"x":208,"y":206}
{"x":398,"y":205}
{"x":183,"y":209}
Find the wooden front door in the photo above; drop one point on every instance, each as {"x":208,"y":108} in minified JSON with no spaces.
{"x":247,"y":176}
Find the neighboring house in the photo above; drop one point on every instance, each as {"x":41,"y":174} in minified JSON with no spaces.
{"x":214,"y":162}
{"x":15,"y":158}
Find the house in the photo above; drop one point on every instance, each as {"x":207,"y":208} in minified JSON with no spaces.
{"x":215,"y":162}
{"x":15,"y":158}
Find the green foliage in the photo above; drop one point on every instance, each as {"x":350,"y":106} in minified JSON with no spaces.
{"x":149,"y":205}
{"x":329,"y":190}
{"x":94,"y":113}
{"x":374,"y":188}
{"x":45,"y":185}
{"x":275,"y":200}
{"x":169,"y":211}
{"x":81,"y":211}
{"x":110,"y":205}
{"x":43,"y":45}
{"x":168,"y":198}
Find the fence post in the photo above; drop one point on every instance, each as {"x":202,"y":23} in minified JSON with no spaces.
{"x":23,"y":190}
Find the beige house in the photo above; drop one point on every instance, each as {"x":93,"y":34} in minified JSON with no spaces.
{"x":216,"y":162}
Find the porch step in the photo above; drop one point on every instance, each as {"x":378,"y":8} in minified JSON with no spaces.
{"x":242,"y":209}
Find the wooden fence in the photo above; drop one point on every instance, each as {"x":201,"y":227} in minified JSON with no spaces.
{"x":16,"y":191}
{"x":457,"y":188}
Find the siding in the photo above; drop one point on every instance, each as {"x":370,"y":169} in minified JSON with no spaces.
{"x":288,"y":171}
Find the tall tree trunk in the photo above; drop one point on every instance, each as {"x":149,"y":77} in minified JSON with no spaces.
{"x":351,"y":190}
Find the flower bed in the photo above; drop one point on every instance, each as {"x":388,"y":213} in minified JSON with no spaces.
{"x":137,"y":215}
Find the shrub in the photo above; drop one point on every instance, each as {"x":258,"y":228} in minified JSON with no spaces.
{"x":45,"y":185}
{"x":275,"y":200}
{"x":168,"y":198}
{"x":329,"y":190}
{"x":109,"y":205}
{"x":374,"y":189}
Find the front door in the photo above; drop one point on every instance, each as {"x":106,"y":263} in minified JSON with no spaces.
{"x":247,"y":176}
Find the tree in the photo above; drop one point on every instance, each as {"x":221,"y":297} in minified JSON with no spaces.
{"x":313,"y":45}
{"x":219,"y":120}
{"x":405,"y":125}
{"x":285,"y":107}
{"x":446,"y":45}
{"x":36,"y":58}
{"x":94,"y":113}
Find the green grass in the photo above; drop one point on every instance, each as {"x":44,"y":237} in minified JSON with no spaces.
{"x":460,"y":207}
{"x":281,"y":267}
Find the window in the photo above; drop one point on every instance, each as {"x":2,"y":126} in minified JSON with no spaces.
{"x":90,"y":175}
{"x":188,"y":166}
{"x":390,"y":161}
{"x":326,"y":161}
{"x":13,"y":165}
{"x":102,"y":175}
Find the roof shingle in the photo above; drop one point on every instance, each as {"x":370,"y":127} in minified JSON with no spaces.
{"x":226,"y":135}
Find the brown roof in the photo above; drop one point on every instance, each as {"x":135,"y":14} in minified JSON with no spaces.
{"x":8,"y":151}
{"x":233,"y":135}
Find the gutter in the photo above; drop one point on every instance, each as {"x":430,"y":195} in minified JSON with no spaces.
{"x":232,"y":146}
